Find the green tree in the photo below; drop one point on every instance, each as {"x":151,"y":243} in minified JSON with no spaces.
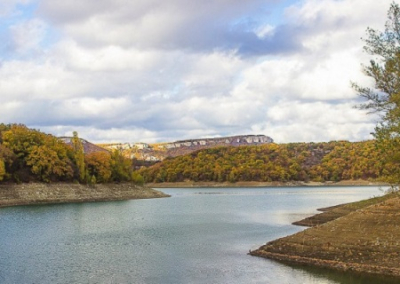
{"x":384,"y":97}
{"x":137,"y":178}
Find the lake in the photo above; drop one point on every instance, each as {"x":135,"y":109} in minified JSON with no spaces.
{"x":199,"y":235}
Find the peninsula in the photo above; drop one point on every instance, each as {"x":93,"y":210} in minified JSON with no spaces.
{"x":53,"y":193}
{"x":362,"y":237}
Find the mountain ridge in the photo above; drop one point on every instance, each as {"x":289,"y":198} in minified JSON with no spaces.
{"x":160,"y":151}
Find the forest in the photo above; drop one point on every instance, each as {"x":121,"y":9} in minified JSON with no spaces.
{"x":29,"y":155}
{"x":331,"y":161}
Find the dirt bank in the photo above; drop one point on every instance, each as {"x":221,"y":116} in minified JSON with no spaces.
{"x":365,"y":240}
{"x":39,"y":193}
{"x":186,"y":184}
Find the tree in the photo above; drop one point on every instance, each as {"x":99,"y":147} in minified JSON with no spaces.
{"x":47,"y":164}
{"x":98,"y":165}
{"x":28,"y":151}
{"x":8,"y":157}
{"x":79,"y":155}
{"x":137,"y":178}
{"x":2,"y":170}
{"x":121,"y":167}
{"x":384,"y":98}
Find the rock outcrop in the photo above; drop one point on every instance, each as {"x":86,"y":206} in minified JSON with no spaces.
{"x":223,"y":141}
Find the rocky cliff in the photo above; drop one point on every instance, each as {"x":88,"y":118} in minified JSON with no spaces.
{"x":222,"y":141}
{"x":160,"y":151}
{"x":187,"y":146}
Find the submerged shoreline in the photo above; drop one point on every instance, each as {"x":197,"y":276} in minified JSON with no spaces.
{"x":56,"y":193}
{"x":361,"y":237}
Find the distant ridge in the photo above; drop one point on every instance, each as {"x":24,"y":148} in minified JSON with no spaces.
{"x":160,"y":151}
{"x":230,"y":140}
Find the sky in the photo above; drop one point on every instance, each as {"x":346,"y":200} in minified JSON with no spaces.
{"x":166,"y":70}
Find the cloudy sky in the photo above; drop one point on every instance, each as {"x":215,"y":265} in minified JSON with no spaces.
{"x":165,"y":70}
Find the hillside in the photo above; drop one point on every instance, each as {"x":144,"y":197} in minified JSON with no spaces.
{"x":332,"y":161}
{"x":161,"y":151}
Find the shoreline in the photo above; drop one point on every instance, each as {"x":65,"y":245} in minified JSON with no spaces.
{"x":188,"y":184}
{"x":358,"y":237}
{"x":58,"y":193}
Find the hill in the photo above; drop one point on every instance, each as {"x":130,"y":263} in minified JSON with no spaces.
{"x":332,"y":161}
{"x":88,"y":147}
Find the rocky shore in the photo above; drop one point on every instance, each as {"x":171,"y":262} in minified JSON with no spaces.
{"x":362,"y":237}
{"x":40,"y":193}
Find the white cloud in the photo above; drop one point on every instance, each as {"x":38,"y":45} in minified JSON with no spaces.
{"x":173,"y":24}
{"x":8,"y":7}
{"x":164,"y":70}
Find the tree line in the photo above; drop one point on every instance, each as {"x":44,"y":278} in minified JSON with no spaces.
{"x":332,"y":161}
{"x":31,"y":155}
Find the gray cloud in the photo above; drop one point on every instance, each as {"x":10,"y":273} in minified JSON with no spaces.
{"x":197,"y":26}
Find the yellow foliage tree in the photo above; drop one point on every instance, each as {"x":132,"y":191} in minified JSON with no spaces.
{"x":98,"y":165}
{"x":45,"y":163}
{"x":79,"y":155}
{"x":2,"y":170}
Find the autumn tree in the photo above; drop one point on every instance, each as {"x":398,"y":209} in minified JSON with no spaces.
{"x":27,"y":150}
{"x":121,"y":167}
{"x":98,"y":165}
{"x":9,"y":159}
{"x":48,"y":164}
{"x":2,"y":169}
{"x":384,"y":97}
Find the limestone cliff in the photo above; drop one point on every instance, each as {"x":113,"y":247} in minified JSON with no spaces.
{"x":160,"y":151}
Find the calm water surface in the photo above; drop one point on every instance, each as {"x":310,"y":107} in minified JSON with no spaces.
{"x":196,"y":236}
